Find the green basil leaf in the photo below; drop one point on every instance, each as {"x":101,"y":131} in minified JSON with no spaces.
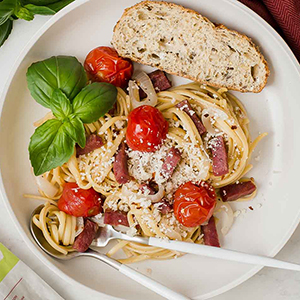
{"x":60,"y":105}
{"x":94,"y":101}
{"x":63,"y":72}
{"x":57,"y":6}
{"x":40,"y":2}
{"x":24,"y":13}
{"x":75,"y":129}
{"x":5,"y":30}
{"x":7,"y":8}
{"x":39,"y":10}
{"x":50,"y":146}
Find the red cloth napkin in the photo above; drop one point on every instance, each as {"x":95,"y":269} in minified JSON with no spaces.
{"x":284,"y":16}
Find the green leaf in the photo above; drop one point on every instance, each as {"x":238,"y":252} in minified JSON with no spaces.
{"x":75,"y":129}
{"x":60,"y":105}
{"x":63,"y":72}
{"x":24,"y":13}
{"x":57,"y":6}
{"x":40,"y":2}
{"x":39,"y":10}
{"x":5,"y":30}
{"x":7,"y":8}
{"x":94,"y":101}
{"x":50,"y":146}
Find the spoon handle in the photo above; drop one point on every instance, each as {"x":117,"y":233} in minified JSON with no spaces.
{"x":220,"y":253}
{"x":136,"y":276}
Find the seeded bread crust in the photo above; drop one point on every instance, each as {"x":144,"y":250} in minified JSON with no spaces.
{"x":182,"y":42}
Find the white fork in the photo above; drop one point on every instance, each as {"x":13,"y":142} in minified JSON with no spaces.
{"x":108,"y":233}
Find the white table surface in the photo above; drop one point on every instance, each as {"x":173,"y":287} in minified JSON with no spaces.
{"x":268,"y":284}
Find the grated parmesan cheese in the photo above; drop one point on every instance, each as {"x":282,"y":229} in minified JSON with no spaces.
{"x":147,"y":166}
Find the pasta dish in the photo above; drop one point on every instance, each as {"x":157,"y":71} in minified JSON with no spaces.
{"x":161,"y":161}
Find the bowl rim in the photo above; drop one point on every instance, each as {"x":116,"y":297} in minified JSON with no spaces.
{"x":34,"y":248}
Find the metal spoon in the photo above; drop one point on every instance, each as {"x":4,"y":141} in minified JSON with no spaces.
{"x":129,"y":272}
{"x":108,"y":233}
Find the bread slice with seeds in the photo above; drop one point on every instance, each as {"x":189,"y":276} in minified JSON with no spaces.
{"x":182,"y":42}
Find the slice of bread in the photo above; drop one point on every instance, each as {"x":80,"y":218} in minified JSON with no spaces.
{"x":180,"y":41}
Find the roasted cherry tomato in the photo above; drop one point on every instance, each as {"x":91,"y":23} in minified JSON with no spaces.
{"x":194,"y":203}
{"x":104,"y":64}
{"x":147,"y":128}
{"x":78,"y":202}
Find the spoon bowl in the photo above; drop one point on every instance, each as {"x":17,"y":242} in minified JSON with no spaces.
{"x":39,"y":238}
{"x":149,"y":283}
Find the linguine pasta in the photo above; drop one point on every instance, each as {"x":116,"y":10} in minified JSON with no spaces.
{"x":221,"y":113}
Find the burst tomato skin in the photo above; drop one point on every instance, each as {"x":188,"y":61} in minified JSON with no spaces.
{"x":78,"y":202}
{"x":147,"y":129}
{"x":194,"y":203}
{"x":105,"y":65}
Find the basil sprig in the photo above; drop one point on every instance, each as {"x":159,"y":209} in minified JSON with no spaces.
{"x":57,"y":72}
{"x":5,"y":30}
{"x":7,"y":8}
{"x":39,"y":10}
{"x":25,"y":9}
{"x":59,"y":83}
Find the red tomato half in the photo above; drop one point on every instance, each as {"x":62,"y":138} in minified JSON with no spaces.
{"x":104,"y":64}
{"x":147,"y":128}
{"x":194,"y":203}
{"x":78,"y":202}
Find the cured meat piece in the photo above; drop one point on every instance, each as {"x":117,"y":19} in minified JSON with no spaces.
{"x":171,"y":161}
{"x":85,"y":238}
{"x":164,"y":206}
{"x":115,"y":217}
{"x":187,"y":108}
{"x":160,"y":82}
{"x":93,"y":142}
{"x":210,"y":233}
{"x":219,"y":156}
{"x":235,"y":191}
{"x":120,"y":166}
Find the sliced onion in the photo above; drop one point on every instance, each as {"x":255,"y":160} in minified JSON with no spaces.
{"x":153,"y":198}
{"x":134,"y":94}
{"x":144,"y":81}
{"x":158,"y":196}
{"x":49,"y":189}
{"x":79,"y":225}
{"x":212,"y":112}
{"x":225,"y":213}
{"x":146,"y":85}
{"x":206,"y":121}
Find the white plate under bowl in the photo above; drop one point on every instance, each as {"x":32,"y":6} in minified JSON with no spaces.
{"x":87,"y":24}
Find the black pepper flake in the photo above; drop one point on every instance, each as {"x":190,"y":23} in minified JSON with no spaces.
{"x":250,"y":207}
{"x":206,"y":115}
{"x":233,"y":127}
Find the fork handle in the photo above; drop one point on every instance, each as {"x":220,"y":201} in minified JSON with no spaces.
{"x":213,"y":252}
{"x":136,"y":276}
{"x":220,"y":253}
